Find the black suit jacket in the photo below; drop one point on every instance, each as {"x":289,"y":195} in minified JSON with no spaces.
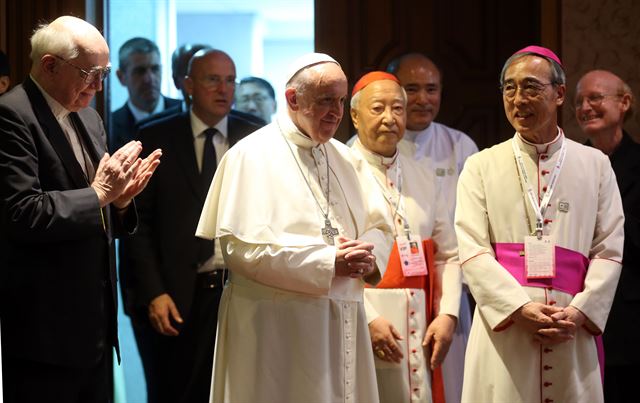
{"x":164,"y":252}
{"x":622,"y":343}
{"x":123,"y":125}
{"x":57,"y":291}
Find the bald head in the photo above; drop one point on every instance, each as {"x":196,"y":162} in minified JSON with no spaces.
{"x":180,"y":62}
{"x":422,"y":81}
{"x":211,"y":83}
{"x":70,"y":60}
{"x":602,"y":103}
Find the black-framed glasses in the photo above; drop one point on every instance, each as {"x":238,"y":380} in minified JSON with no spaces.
{"x":92,"y":75}
{"x":594,"y":100}
{"x":530,"y":89}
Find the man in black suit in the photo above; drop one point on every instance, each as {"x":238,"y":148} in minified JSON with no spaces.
{"x":603,"y":103}
{"x":62,"y":201}
{"x":141,"y":72}
{"x":177,"y":277}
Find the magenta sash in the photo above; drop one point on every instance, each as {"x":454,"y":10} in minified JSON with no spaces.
{"x":571,"y":270}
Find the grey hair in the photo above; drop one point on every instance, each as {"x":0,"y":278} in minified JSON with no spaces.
{"x":139,"y":45}
{"x":355,"y":100}
{"x":626,"y":89}
{"x":50,"y":39}
{"x":557,"y":73}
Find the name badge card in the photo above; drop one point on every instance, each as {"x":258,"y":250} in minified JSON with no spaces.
{"x":412,"y":256}
{"x":540,"y":257}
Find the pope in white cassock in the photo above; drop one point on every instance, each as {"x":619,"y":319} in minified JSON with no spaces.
{"x":297,"y":217}
{"x":412,"y":312}
{"x":540,"y":232}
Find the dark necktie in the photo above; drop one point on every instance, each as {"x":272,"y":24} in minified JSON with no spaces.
{"x":208,"y":159}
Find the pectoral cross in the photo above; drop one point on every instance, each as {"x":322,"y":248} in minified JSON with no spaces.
{"x":329,"y":232}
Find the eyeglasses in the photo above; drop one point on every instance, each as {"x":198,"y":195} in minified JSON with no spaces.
{"x":214,"y":81}
{"x":93,"y":75}
{"x":257,"y":98}
{"x":594,"y":100}
{"x":530,"y":89}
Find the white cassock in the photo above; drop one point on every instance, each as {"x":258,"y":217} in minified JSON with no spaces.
{"x":426,"y":213}
{"x":503,"y":363}
{"x":443,"y":151}
{"x":289,"y":330}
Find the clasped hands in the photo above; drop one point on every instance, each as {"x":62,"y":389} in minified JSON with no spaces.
{"x":354,"y":258}
{"x":122,"y":176}
{"x":437,"y":339}
{"x":549,"y":324}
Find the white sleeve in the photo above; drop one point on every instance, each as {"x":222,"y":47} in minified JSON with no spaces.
{"x":305,"y":269}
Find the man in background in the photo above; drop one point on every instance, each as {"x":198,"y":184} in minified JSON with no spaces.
{"x":178,"y":278}
{"x":603,"y":103}
{"x":139,"y":70}
{"x":443,"y":151}
{"x":256,"y":96}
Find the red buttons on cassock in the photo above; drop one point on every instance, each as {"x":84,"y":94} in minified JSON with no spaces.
{"x":412,"y":313}
{"x":544,"y":172}
{"x":413,"y":293}
{"x":547,"y":367}
{"x":547,"y":350}
{"x":552,"y":302}
{"x":415,"y":370}
{"x":543,"y":156}
{"x":547,"y":384}
{"x":544,"y":188}
{"x":414,"y":351}
{"x":415,"y":389}
{"x":547,"y":400}
{"x":547,"y":220}
{"x":413,"y":332}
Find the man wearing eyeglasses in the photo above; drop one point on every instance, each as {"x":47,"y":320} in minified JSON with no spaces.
{"x":177,"y":278}
{"x":63,"y":199}
{"x":141,"y":72}
{"x":603,"y":103}
{"x":256,"y":96}
{"x":540,"y":232}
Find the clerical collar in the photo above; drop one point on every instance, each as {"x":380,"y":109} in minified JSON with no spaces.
{"x":139,"y":114}
{"x":293,"y":134}
{"x":198,"y":126}
{"x":376,"y":160}
{"x":544,"y":148}
{"x":59,"y":111}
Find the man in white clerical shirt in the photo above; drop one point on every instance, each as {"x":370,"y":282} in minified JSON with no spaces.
{"x":292,"y":325}
{"x":540,"y":231}
{"x":412,"y":312}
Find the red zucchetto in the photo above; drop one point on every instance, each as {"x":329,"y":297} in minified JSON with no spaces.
{"x":371,"y":77}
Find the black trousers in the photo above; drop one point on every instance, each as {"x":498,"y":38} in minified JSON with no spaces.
{"x":178,"y":369}
{"x":27,"y":381}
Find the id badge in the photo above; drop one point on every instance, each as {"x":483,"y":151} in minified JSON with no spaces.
{"x":540,"y":257}
{"x":412,"y":256}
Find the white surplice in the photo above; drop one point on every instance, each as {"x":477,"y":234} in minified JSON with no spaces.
{"x":289,"y":330}
{"x":426,"y":212}
{"x":503,"y":363}
{"x":443,"y":151}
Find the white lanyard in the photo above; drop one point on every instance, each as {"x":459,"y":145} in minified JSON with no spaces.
{"x":398,"y":206}
{"x":541,"y":208}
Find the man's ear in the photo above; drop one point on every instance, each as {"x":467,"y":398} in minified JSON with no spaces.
{"x":292,"y":99}
{"x":121,"y":77}
{"x":49,"y":64}
{"x":354,"y":118}
{"x":625,"y":103}
{"x":561,"y":90}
